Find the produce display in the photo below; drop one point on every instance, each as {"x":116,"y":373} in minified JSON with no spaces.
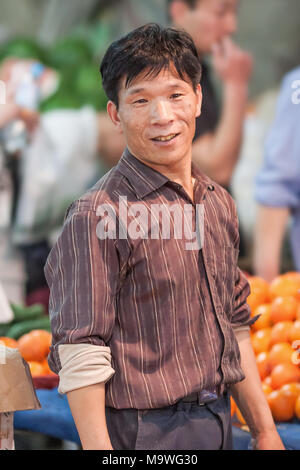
{"x":29,"y":332}
{"x":275,"y":339}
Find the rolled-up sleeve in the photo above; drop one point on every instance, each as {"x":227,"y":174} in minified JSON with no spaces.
{"x":278,"y":181}
{"x":82,"y":272}
{"x":241,"y":312}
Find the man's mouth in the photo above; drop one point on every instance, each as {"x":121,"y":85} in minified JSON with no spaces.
{"x":165,"y":138}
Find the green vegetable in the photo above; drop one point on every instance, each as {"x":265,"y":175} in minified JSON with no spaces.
{"x":19,"y":329}
{"x":4,"y":327}
{"x":23,"y":48}
{"x":27,"y":313}
{"x":63,"y":98}
{"x":70,"y":51}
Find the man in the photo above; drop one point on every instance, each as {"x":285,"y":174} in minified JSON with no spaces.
{"x":278,"y":183}
{"x":144,"y":323}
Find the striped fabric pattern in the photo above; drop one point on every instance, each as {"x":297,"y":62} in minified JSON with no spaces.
{"x":166,"y":312}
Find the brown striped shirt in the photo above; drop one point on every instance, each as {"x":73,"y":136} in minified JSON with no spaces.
{"x":166,"y":312}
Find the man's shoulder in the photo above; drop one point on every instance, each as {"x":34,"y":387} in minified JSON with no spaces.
{"x":104,"y":191}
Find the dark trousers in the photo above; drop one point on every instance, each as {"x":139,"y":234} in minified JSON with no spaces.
{"x":183,"y":426}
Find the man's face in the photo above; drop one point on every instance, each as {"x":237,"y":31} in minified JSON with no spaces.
{"x":157,"y":116}
{"x":208,"y":22}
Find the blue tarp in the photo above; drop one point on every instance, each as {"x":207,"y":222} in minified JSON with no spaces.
{"x":55,"y":419}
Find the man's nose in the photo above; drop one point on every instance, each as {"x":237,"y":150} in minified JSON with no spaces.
{"x":161,"y":112}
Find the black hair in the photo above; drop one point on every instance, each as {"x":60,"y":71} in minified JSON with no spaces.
{"x":150,"y":49}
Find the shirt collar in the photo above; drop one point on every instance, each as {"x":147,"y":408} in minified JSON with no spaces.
{"x":145,"y":179}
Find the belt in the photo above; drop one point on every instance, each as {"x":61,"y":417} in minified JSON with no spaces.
{"x":205,"y":395}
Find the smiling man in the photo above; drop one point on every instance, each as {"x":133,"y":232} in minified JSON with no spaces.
{"x":149,"y":337}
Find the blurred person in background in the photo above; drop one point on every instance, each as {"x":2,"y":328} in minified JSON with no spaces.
{"x":69,"y":134}
{"x":278,"y":184}
{"x":219,"y":130}
{"x":218,"y":137}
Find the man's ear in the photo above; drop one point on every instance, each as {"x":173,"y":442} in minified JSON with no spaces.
{"x":199,"y":98}
{"x":114,"y":115}
{"x":177,"y":10}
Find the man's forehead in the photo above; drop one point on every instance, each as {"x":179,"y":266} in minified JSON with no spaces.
{"x":168,"y":76}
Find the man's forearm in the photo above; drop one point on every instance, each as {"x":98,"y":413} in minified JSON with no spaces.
{"x":217,"y":153}
{"x":251,"y":399}
{"x":87,"y":405}
{"x":269,"y":231}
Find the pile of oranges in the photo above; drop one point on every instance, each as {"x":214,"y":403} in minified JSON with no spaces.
{"x":275,"y":338}
{"x":34,"y":347}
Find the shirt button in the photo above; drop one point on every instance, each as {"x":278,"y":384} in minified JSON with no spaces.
{"x":211,"y":187}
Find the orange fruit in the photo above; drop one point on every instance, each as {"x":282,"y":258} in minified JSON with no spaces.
{"x":240,"y":416}
{"x":285,"y":285}
{"x":268,"y":381}
{"x":267,"y":389}
{"x":284,"y":309}
{"x":280,"y":332}
{"x":298,"y":313}
{"x":292,"y":274}
{"x":8,"y":342}
{"x":36,"y":368}
{"x":47,"y":370}
{"x":261,"y":340}
{"x":280,"y":353}
{"x":297,"y":407}
{"x":295,"y":331}
{"x":259,"y":292}
{"x":35,"y":346}
{"x":293,"y":387}
{"x":283,"y":374}
{"x":282,"y":405}
{"x":233,"y":406}
{"x":264,"y":321}
{"x":263,"y":365}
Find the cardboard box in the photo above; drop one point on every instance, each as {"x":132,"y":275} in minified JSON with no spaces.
{"x":17,"y":392}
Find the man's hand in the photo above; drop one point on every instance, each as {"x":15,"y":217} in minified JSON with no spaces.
{"x":232,"y":64}
{"x":270,"y":441}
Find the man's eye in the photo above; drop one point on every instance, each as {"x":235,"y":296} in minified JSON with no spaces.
{"x":176,"y":95}
{"x":140,"y":101}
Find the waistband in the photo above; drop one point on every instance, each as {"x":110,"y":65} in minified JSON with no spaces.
{"x":207,"y":395}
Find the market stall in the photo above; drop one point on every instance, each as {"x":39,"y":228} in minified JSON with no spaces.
{"x":275,"y":338}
